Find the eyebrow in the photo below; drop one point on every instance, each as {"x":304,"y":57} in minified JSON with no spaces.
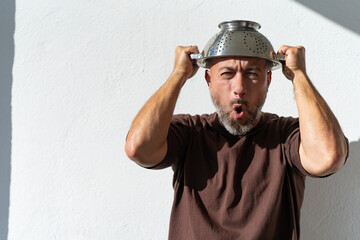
{"x":253,"y":68}
{"x":226,"y":68}
{"x":246,"y":69}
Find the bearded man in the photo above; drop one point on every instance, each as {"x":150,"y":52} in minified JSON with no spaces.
{"x":239,"y":173}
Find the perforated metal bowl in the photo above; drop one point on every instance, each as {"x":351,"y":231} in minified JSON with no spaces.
{"x":238,"y":38}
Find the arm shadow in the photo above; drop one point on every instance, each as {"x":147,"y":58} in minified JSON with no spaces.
{"x":331,"y":205}
{"x":7,"y":28}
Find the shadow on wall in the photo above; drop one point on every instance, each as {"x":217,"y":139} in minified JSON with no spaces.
{"x":7,"y":27}
{"x":345,"y":13}
{"x":331,"y":205}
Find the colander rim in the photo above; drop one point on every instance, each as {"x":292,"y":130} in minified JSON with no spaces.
{"x":202,"y":61}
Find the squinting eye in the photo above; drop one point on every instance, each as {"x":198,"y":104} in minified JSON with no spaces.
{"x":252,"y":75}
{"x":227,"y":74}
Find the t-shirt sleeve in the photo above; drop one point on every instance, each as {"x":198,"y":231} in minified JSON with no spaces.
{"x":292,"y":145}
{"x":177,"y":141}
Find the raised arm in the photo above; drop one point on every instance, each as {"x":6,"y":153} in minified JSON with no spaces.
{"x":146,"y":141}
{"x":323,"y":147}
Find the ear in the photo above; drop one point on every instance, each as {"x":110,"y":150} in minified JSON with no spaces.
{"x":268,"y":78}
{"x":208,"y":78}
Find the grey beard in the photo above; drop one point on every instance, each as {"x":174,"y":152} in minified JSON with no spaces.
{"x":234,"y":126}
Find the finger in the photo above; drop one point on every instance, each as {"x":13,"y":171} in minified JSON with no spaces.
{"x":196,"y":49}
{"x":193,"y":49}
{"x":291,"y":50}
{"x":283,"y":49}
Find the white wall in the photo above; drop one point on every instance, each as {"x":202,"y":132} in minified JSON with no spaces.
{"x":84,"y":68}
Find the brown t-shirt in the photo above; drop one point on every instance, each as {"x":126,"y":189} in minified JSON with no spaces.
{"x":235,"y":187}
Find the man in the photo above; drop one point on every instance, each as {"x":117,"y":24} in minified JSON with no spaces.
{"x":238,"y":173}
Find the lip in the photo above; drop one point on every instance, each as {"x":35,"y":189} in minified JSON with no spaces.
{"x":236,"y":112}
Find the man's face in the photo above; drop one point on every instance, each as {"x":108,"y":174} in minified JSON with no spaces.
{"x":238,"y":88}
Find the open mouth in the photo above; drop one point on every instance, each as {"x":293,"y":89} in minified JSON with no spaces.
{"x":238,"y":111}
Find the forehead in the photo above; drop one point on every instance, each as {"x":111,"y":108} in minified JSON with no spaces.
{"x":234,"y":62}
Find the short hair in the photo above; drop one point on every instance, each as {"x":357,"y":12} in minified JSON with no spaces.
{"x":269,"y":65}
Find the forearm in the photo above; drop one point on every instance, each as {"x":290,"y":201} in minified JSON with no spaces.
{"x":323,"y":146}
{"x":146,"y":141}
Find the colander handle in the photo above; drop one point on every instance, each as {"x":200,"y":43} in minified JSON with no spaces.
{"x":195,"y":56}
{"x":279,"y":57}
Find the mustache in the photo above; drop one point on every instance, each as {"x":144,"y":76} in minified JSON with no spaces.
{"x":239,"y":101}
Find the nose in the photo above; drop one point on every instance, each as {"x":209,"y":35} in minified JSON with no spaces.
{"x":239,"y":87}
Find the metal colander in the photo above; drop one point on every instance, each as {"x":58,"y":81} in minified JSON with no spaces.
{"x":238,"y":38}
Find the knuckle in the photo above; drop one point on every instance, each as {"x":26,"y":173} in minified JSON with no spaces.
{"x":301,"y":49}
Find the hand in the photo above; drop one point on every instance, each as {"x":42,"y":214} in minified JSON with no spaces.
{"x":183,"y":64}
{"x":294,"y":60}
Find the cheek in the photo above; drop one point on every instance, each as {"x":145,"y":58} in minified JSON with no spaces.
{"x":261,"y":94}
{"x":214,"y":94}
{"x":257,"y":93}
{"x":222,"y":91}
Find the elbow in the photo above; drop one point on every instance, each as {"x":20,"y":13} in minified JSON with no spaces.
{"x":325,"y":159}
{"x":143,"y":158}
{"x":324,"y":163}
{"x":337,"y":158}
{"x":339,"y":155}
{"x":130,"y":150}
{"x":133,"y":151}
{"x":333,"y":162}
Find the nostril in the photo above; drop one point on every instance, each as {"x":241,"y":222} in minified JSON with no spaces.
{"x":239,"y":94}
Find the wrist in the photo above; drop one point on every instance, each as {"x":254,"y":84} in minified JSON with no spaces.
{"x":178,"y":77}
{"x":299,"y":75}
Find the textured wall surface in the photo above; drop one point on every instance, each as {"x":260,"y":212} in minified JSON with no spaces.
{"x":7,"y":28}
{"x":84,"y":68}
